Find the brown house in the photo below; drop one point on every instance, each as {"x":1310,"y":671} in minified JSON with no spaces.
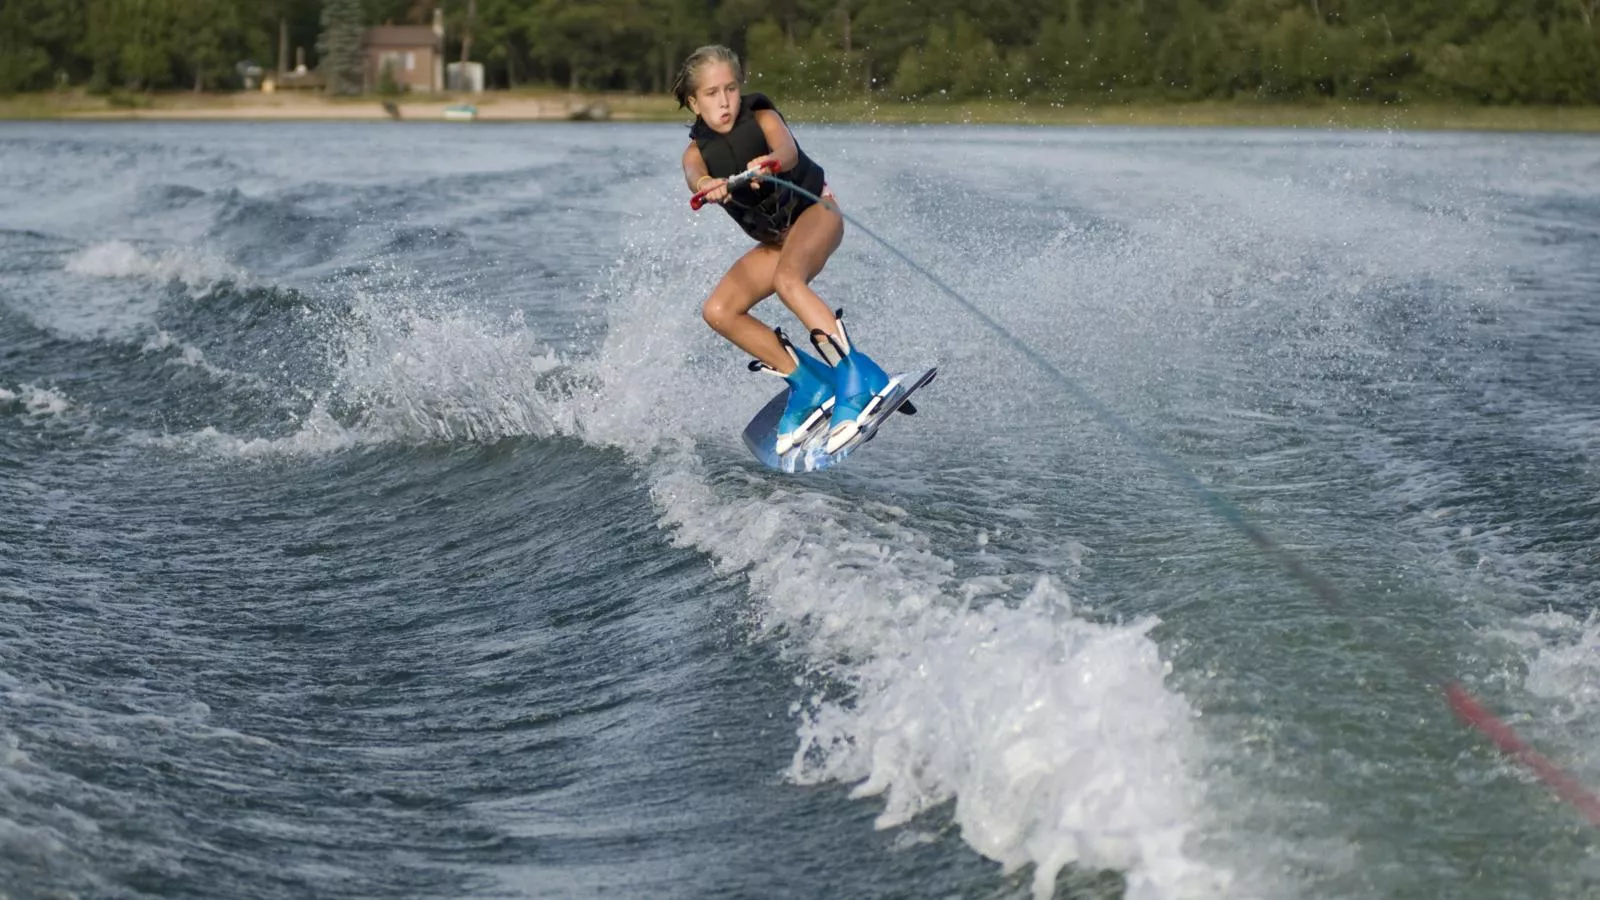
{"x":413,"y":55}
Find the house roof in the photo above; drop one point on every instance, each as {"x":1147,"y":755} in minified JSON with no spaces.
{"x":402,"y":36}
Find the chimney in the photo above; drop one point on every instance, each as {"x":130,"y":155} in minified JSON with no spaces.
{"x":438,"y":49}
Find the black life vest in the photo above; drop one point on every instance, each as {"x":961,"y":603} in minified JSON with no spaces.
{"x":764,"y":213}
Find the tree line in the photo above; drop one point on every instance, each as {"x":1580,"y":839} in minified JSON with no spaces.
{"x":1486,"y":51}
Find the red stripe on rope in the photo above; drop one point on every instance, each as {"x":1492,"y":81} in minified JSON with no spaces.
{"x":1556,"y":778}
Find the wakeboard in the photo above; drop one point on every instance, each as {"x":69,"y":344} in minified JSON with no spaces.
{"x":761,"y":435}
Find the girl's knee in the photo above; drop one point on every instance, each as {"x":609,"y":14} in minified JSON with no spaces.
{"x":788,"y":282}
{"x":717,"y":313}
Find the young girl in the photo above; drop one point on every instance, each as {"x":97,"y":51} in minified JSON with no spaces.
{"x":733,"y":133}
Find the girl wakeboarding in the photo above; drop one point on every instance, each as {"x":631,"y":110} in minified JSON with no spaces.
{"x":735,"y":138}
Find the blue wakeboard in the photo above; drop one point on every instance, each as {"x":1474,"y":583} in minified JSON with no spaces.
{"x":761,"y":435}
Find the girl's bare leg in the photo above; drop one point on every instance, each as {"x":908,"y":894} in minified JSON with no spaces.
{"x":806,"y":248}
{"x":727,"y":310}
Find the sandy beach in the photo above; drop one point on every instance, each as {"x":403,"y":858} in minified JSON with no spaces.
{"x":308,"y":106}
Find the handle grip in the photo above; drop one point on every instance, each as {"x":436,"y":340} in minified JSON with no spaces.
{"x":767,"y":165}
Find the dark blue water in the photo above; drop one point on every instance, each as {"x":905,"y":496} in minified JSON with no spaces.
{"x":374,"y":521}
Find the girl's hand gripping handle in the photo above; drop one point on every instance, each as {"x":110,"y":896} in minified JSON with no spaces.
{"x":699,"y":199}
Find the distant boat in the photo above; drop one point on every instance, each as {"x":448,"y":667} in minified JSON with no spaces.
{"x":461,"y":112}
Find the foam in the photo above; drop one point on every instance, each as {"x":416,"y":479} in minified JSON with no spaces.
{"x":411,"y":373}
{"x":37,"y":402}
{"x":1562,"y":668}
{"x":120,"y":259}
{"x":187,"y":355}
{"x":646,"y":390}
{"x":444,"y":374}
{"x":319,"y":434}
{"x":1568,"y":667}
{"x":1056,"y":737}
{"x":1578,"y":431}
{"x":1549,"y":669}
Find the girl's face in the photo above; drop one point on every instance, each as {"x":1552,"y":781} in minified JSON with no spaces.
{"x":716,"y":96}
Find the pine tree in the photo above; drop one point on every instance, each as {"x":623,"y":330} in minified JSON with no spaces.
{"x":339,"y":46}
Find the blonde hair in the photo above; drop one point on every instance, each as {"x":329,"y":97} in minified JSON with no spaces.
{"x":684,"y":86}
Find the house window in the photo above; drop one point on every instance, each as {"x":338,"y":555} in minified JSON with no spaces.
{"x":411,"y":61}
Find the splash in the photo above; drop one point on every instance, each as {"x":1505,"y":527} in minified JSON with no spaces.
{"x":416,"y":373}
{"x":1056,"y":738}
{"x":1569,"y":670}
{"x":396,"y":369}
{"x":318,"y":434}
{"x":120,"y":259}
{"x":188,"y":355}
{"x":1561,"y":670}
{"x":35,"y":402}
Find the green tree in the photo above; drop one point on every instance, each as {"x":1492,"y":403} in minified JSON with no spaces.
{"x":23,"y":63}
{"x":979,"y":69}
{"x":339,"y":46}
{"x":572,"y":39}
{"x":1192,"y":61}
{"x":887,"y":31}
{"x":1060,"y":61}
{"x":924,"y":70}
{"x":500,"y":41}
{"x":1292,"y":60}
{"x":771,"y":61}
{"x":1495,"y":51}
{"x":39,"y":41}
{"x":1122,"y":61}
{"x":207,"y":40}
{"x":131,"y":42}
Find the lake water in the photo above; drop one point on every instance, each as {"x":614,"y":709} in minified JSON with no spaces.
{"x":374,"y":520}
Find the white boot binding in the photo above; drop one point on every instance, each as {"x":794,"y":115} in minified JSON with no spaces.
{"x":811,"y":396}
{"x":861,"y":387}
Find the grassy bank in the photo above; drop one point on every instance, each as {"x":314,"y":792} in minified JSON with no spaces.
{"x":1211,"y":114}
{"x":533,"y":105}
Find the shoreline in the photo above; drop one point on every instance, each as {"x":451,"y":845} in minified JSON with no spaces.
{"x":554,"y":106}
{"x":307,"y":107}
